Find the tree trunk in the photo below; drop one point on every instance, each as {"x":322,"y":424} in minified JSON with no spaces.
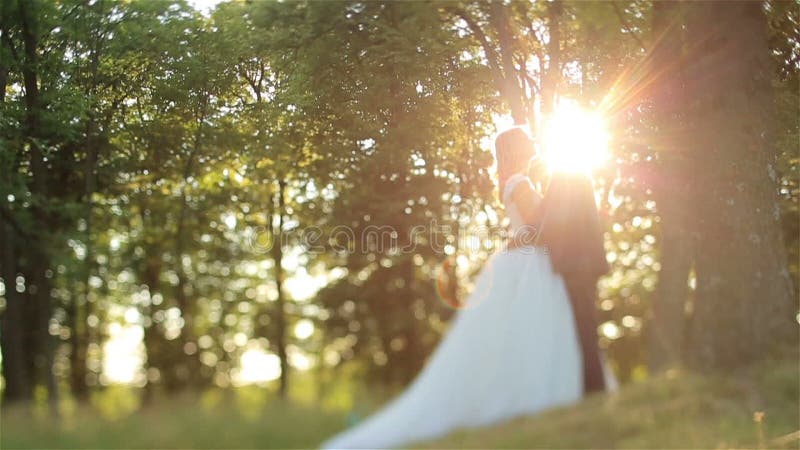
{"x":81,"y":335}
{"x":185,"y":304}
{"x":745,"y":302}
{"x":12,"y":341}
{"x":82,"y":308}
{"x":153,"y":340}
{"x":39,"y":261}
{"x":511,"y":87}
{"x":552,"y":76}
{"x":667,"y":329}
{"x":280,"y":306}
{"x":12,"y":322}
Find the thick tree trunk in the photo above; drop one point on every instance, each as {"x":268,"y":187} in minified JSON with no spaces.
{"x":667,"y":329}
{"x":12,"y":322}
{"x":38,"y":258}
{"x":745,"y":303}
{"x":12,"y":336}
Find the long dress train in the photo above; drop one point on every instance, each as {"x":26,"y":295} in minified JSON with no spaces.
{"x":512,"y":351}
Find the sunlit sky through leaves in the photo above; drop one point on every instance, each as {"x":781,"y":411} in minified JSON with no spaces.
{"x":565,"y":145}
{"x":204,"y":6}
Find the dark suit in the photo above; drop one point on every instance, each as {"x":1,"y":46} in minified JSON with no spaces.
{"x":572,"y":233}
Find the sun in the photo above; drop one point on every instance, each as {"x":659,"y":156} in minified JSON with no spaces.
{"x":574,"y":139}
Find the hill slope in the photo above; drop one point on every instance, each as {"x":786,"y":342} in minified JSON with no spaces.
{"x":677,"y":410}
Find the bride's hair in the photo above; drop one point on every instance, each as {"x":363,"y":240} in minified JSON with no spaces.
{"x":513,"y":150}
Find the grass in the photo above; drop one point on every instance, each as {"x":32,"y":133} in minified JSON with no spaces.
{"x":216,"y":420}
{"x":755,"y":408}
{"x":752,"y":408}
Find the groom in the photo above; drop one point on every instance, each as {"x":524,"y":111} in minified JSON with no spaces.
{"x":570,"y":230}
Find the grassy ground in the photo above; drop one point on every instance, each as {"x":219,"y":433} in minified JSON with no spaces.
{"x":676,"y":410}
{"x":671,"y":411}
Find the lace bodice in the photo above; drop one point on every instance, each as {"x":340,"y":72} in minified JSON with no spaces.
{"x":512,"y":210}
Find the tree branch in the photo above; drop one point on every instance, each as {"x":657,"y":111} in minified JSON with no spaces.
{"x":477,"y":31}
{"x":19,"y":229}
{"x":626,"y":25}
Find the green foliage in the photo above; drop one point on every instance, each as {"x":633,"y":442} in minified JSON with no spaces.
{"x":172,"y":154}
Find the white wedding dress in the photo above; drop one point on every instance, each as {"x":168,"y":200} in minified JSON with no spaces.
{"x":512,"y":351}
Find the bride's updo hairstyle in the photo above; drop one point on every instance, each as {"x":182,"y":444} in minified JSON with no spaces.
{"x":513,"y":150}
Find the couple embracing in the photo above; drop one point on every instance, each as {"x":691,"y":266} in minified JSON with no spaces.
{"x":527,"y":339}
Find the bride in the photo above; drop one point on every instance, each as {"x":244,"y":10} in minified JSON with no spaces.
{"x":512,"y":351}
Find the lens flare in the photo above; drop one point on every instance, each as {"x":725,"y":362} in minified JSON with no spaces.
{"x":575,"y":139}
{"x":446,"y":283}
{"x":451,"y":294}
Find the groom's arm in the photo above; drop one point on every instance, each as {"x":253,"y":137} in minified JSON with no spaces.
{"x":538,"y":174}
{"x":529,"y":202}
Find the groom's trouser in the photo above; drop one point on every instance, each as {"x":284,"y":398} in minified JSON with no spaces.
{"x":582,"y":290}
